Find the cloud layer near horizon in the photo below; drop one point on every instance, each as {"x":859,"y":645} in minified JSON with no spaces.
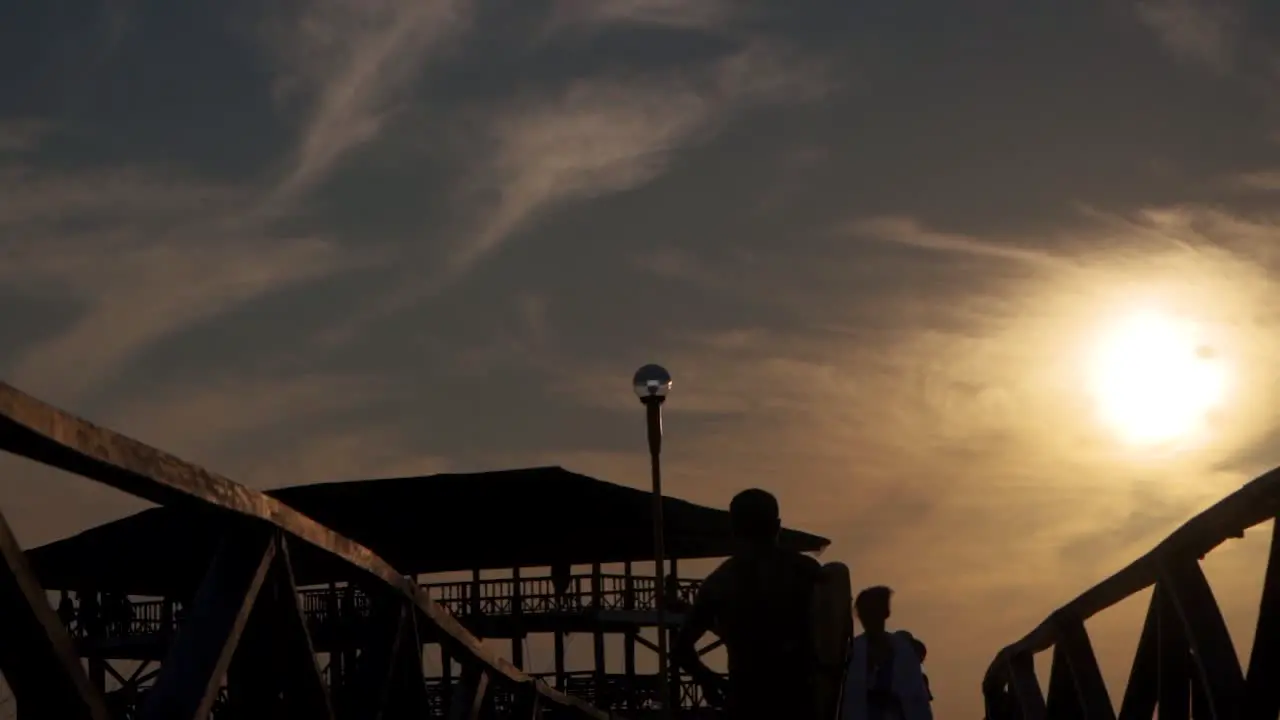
{"x":356,"y":238}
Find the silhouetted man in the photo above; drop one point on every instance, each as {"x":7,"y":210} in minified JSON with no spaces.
{"x":885,"y":680}
{"x":759,"y":603}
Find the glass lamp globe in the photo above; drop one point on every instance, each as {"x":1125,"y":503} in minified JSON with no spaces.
{"x":652,"y":381}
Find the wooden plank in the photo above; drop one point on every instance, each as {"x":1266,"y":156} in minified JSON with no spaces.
{"x":192,"y":672}
{"x":37,"y":655}
{"x":38,"y":431}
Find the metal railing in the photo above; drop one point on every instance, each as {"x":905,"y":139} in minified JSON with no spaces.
{"x":1186,"y":664}
{"x":248,"y":601}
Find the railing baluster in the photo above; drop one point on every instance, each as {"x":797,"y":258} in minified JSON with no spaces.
{"x":37,"y":656}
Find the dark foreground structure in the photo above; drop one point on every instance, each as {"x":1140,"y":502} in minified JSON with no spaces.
{"x":304,"y":603}
{"x":1186,"y":666}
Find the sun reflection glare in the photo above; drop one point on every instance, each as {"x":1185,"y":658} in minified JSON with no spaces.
{"x":1154,"y":380}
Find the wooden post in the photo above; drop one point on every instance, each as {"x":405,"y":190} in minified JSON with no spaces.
{"x":475,"y":593}
{"x":673,"y":669}
{"x":629,"y":641}
{"x":597,"y":633}
{"x":517,"y":639}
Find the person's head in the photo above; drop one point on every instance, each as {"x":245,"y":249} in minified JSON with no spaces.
{"x":754,"y":516}
{"x":872,"y":606}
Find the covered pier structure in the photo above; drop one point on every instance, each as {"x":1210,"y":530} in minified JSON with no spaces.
{"x":529,"y":552}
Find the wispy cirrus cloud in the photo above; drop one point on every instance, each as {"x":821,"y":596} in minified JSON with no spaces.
{"x":677,"y":14}
{"x":142,"y":252}
{"x":908,"y":232}
{"x":595,"y":137}
{"x":350,"y":63}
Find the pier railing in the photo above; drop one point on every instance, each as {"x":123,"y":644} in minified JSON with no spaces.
{"x":246,"y":621}
{"x":1186,"y":665}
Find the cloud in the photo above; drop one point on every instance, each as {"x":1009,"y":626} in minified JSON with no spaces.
{"x":143,"y":253}
{"x":350,"y":63}
{"x":1267,"y":181}
{"x":674,"y":14}
{"x":1198,"y":31}
{"x":908,"y":232}
{"x":199,"y":421}
{"x":597,"y":136}
{"x":605,"y":135}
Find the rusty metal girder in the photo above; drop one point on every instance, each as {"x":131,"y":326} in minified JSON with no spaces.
{"x":1185,"y":665}
{"x":38,"y":431}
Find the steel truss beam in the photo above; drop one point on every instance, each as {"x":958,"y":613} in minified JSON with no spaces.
{"x":245,"y":622}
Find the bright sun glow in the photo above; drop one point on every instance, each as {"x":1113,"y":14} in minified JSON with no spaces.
{"x":1153,"y":381}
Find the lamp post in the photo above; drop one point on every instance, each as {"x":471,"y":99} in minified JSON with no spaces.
{"x":652,"y":383}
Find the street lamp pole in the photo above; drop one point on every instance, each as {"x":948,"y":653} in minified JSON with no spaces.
{"x":651,"y":384}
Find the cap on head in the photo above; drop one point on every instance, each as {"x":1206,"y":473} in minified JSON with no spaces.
{"x":754,"y":515}
{"x":872,"y":604}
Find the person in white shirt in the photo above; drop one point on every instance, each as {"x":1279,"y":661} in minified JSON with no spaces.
{"x":885,"y":680}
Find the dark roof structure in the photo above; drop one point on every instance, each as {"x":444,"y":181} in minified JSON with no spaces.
{"x":440,"y":523}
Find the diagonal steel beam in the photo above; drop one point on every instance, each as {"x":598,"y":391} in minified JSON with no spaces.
{"x":37,"y":656}
{"x":38,"y":431}
{"x":196,"y":663}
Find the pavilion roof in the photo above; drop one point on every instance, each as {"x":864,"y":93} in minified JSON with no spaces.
{"x":439,"y":523}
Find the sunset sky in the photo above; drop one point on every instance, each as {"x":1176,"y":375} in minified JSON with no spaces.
{"x":986,"y":292}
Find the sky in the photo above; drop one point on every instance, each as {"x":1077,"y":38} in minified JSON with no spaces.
{"x":885,"y":249}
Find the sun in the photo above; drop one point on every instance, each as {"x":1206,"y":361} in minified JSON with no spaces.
{"x":1152,"y":378}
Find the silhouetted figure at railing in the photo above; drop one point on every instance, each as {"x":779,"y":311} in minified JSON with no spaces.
{"x":885,"y":680}
{"x":561,"y":576}
{"x":67,"y":612}
{"x":117,"y":613}
{"x":675,"y":602}
{"x":90,"y":615}
{"x":758,"y":601}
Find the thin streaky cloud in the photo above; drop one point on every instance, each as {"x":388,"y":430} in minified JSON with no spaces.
{"x":154,"y":291}
{"x":597,"y":137}
{"x":351,"y":62}
{"x":674,"y":14}
{"x":1258,"y":181}
{"x":904,"y":231}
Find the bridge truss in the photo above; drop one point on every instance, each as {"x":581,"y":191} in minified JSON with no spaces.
{"x":1186,"y":665}
{"x":246,"y":623}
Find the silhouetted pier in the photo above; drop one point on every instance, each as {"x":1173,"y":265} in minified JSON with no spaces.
{"x":304,"y":601}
